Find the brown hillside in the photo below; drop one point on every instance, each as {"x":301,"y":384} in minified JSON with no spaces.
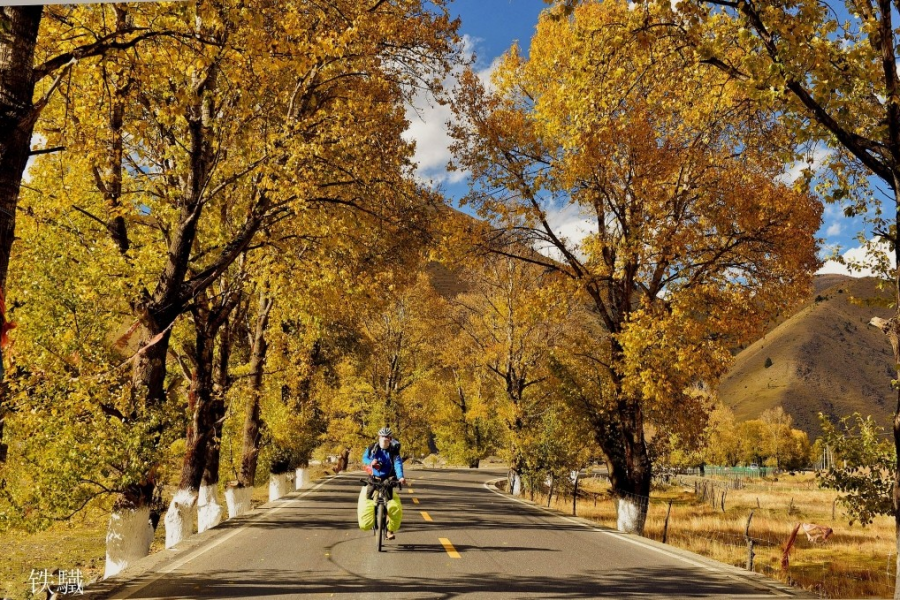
{"x":824,"y":358}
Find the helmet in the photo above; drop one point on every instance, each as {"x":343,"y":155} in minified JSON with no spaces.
{"x":386,"y":432}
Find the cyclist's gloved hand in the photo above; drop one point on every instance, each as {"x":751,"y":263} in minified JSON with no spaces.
{"x":376,"y":463}
{"x":402,"y":480}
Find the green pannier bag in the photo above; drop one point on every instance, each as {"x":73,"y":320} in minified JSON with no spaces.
{"x":365,"y":511}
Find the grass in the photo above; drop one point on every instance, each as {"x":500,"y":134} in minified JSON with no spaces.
{"x":857,"y":562}
{"x":79,"y":543}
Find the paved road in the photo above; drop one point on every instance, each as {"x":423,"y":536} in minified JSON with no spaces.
{"x":459,"y":540}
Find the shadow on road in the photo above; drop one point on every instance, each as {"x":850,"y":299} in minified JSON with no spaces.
{"x":329,"y":508}
{"x":594,"y":584}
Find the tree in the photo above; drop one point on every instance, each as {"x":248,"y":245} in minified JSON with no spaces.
{"x":692,"y":241}
{"x":466,"y":425}
{"x":506,"y":322}
{"x":289,"y":116}
{"x":778,"y":424}
{"x":866,"y":477}
{"x":721,"y":445}
{"x":829,"y":70}
{"x":28,"y":63}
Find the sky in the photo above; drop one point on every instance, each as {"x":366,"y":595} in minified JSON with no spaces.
{"x":489,"y":28}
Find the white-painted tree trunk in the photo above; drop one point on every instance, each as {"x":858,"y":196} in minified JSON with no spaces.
{"x":238,"y":500}
{"x":128,"y":539}
{"x":209,"y":511}
{"x":301,"y":478}
{"x":632,"y":514}
{"x":280,"y":485}
{"x":516,"y":485}
{"x":179,"y":518}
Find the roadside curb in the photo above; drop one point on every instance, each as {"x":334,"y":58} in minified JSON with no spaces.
{"x":150,"y":568}
{"x":756,"y":580}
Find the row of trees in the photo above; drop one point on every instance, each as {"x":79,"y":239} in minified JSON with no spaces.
{"x":769,"y":440}
{"x":223,"y":192}
{"x":241,"y":234}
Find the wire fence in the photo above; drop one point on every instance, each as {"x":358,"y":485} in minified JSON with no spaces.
{"x":697,"y":514}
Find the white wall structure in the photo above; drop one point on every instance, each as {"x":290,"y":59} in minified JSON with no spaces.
{"x":209,"y":511}
{"x":179,"y":518}
{"x":280,"y":485}
{"x":238,"y":500}
{"x":128,"y":539}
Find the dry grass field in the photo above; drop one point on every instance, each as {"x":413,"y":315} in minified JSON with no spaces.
{"x":856,"y":562}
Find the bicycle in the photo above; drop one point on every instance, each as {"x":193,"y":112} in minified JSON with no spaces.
{"x":382,"y":493}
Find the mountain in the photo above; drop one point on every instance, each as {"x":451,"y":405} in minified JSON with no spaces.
{"x":825,"y":357}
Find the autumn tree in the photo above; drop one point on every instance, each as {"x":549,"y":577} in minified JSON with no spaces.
{"x":37,"y":50}
{"x":466,"y":426}
{"x":507,"y":324}
{"x":829,"y":69}
{"x":865,"y":476}
{"x":257,"y":118}
{"x":690,"y":240}
{"x":395,"y":355}
{"x":721,"y":445}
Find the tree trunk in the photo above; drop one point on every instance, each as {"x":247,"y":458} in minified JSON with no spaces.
{"x":206,"y":404}
{"x":894,"y":336}
{"x":200,"y":429}
{"x":128,"y":538}
{"x":17,"y":116}
{"x":252,"y":422}
{"x":209,"y":511}
{"x":621,"y":436}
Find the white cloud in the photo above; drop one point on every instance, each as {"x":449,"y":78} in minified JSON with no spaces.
{"x":428,"y":126}
{"x":864,"y":260}
{"x":834,"y":229}
{"x":814,"y":160}
{"x":569,"y":223}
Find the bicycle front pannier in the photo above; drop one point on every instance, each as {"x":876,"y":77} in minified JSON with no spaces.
{"x":365,"y":511}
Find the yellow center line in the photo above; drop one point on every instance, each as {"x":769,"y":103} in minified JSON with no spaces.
{"x":415,"y":500}
{"x":426,"y":516}
{"x":409,"y":491}
{"x":449,"y":548}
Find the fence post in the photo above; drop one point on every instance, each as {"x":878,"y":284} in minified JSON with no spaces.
{"x":750,"y":553}
{"x":574,"y":492}
{"x":724,"y":492}
{"x":666,"y":526}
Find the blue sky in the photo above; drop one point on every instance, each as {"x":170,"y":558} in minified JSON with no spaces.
{"x":489,"y":28}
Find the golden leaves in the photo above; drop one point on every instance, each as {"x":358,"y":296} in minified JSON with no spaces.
{"x":691,"y":242}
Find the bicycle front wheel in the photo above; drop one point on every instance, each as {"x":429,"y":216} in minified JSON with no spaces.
{"x":379,"y":524}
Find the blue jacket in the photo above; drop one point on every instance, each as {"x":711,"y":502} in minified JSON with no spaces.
{"x":389,"y":459}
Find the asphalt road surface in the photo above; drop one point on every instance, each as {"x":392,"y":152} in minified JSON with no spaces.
{"x":459,"y":539}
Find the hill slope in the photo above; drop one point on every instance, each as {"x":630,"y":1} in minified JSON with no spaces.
{"x":824,"y":358}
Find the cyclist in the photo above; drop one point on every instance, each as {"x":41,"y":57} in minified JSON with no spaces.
{"x":382,"y":461}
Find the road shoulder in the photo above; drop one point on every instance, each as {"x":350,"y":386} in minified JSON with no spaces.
{"x":155,"y":566}
{"x":756,"y":580}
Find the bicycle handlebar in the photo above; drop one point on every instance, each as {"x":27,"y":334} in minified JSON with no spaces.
{"x":391,"y":482}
